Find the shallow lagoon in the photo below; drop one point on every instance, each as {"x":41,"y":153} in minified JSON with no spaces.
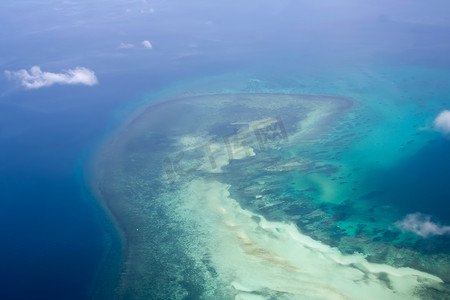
{"x":219,"y":194}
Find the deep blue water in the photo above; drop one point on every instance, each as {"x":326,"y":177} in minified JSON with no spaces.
{"x":52,"y":240}
{"x":54,"y":234}
{"x":421,"y":183}
{"x":51,"y":243}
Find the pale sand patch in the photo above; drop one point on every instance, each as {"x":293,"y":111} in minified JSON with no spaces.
{"x":128,"y":166}
{"x":258,"y":257}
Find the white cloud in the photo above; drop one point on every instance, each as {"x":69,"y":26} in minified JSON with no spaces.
{"x":36,"y":78}
{"x":422,"y":225}
{"x":147,"y":10}
{"x":147,"y":44}
{"x":125,"y":46}
{"x":442,"y":122}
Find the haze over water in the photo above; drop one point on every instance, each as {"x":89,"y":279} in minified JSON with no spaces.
{"x":364,"y":185}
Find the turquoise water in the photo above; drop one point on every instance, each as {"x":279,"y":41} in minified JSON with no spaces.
{"x":345,"y":170}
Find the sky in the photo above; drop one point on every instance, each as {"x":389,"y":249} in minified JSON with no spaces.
{"x":66,"y":34}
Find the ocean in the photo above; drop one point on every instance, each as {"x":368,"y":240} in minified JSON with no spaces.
{"x":358,"y":182}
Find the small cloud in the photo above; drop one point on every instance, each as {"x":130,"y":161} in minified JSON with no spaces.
{"x":36,"y":78}
{"x":146,"y":44}
{"x":442,"y":122}
{"x":125,"y":46}
{"x":147,"y":10}
{"x":422,"y":225}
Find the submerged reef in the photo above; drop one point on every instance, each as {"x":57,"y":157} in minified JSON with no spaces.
{"x":253,"y":196}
